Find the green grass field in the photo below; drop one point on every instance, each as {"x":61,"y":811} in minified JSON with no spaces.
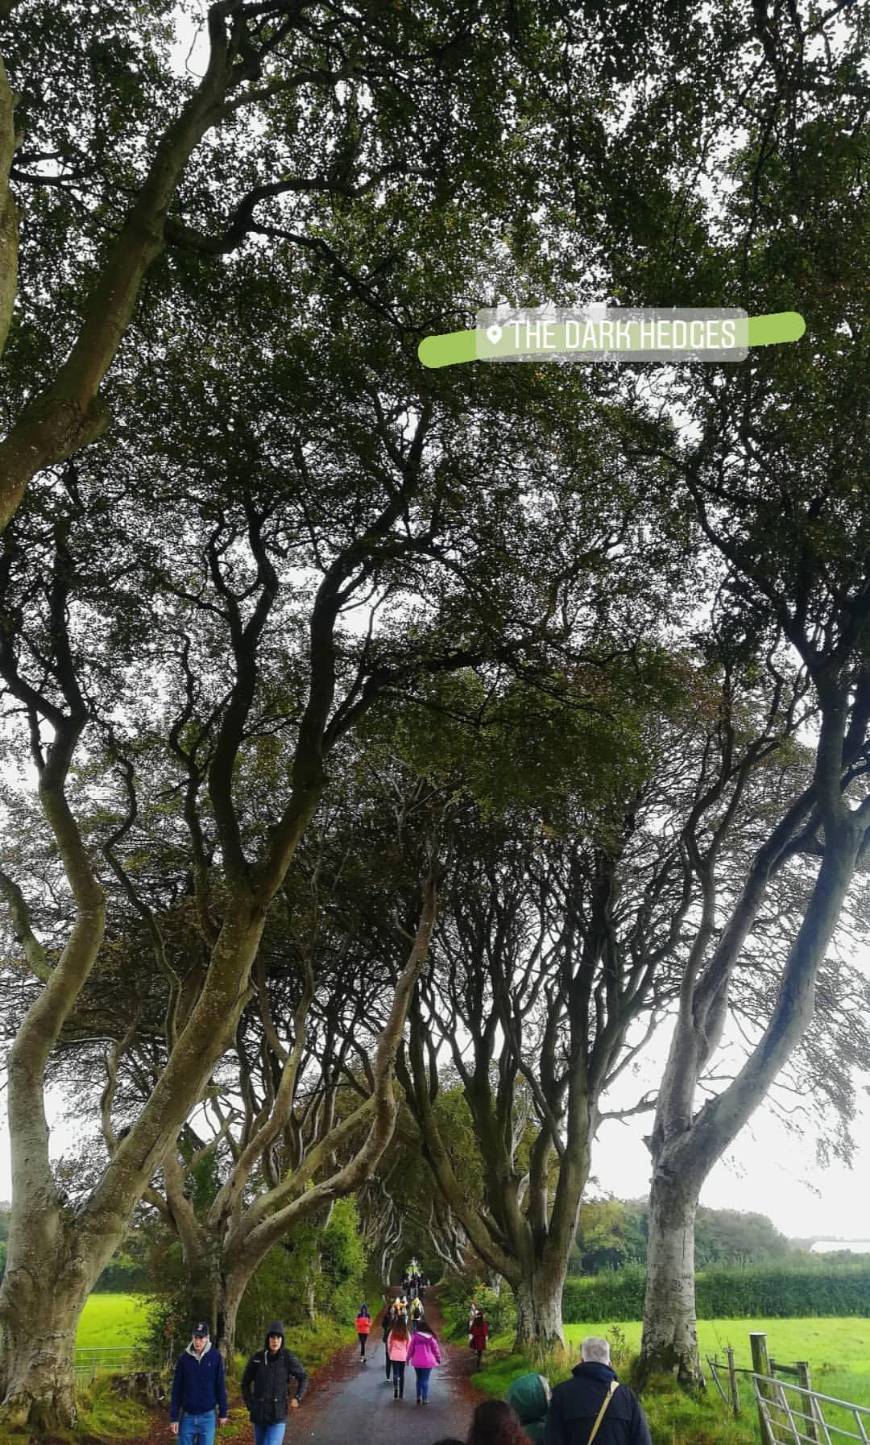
{"x":838,"y":1350}
{"x":112,"y":1320}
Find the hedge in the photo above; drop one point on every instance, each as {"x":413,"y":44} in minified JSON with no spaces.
{"x":728,"y":1292}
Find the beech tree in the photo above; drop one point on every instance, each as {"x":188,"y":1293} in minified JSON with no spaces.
{"x":132,"y":149}
{"x":252,"y":665}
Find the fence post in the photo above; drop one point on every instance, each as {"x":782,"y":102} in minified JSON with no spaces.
{"x":761,"y":1366}
{"x":803,"y":1372}
{"x":732,"y":1377}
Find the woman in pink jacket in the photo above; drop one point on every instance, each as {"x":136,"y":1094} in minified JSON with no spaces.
{"x":424,"y":1354}
{"x":398,"y":1341}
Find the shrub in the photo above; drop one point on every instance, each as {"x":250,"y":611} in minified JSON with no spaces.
{"x":730,"y":1292}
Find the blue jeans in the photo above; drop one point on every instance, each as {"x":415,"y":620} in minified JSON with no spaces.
{"x":423,"y":1383}
{"x":199,"y":1428}
{"x":269,"y":1434}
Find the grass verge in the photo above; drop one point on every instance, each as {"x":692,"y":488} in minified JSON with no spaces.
{"x":838,"y":1351}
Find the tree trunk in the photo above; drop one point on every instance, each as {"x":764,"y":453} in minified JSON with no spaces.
{"x":539,"y":1311}
{"x":41,"y":1302}
{"x":231,"y":1292}
{"x":670,"y":1341}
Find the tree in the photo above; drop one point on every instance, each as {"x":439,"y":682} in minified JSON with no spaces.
{"x":120,"y":157}
{"x":260,"y":678}
{"x":776,"y":479}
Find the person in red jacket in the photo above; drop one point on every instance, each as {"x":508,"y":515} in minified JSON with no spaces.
{"x":363,"y":1325}
{"x":477,"y":1335}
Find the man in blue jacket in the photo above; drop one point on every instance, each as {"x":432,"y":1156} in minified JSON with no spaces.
{"x":198,"y":1389}
{"x":592,"y":1405}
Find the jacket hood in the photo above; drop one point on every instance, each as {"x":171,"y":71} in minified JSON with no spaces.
{"x":275,"y":1328}
{"x":595,"y":1370}
{"x":192,"y":1351}
{"x":529,"y":1397}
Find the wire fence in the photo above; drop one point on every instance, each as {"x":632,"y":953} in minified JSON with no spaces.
{"x":110,"y":1359}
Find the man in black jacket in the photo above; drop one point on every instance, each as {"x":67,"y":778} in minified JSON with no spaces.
{"x":266,"y":1387}
{"x":576,"y":1404}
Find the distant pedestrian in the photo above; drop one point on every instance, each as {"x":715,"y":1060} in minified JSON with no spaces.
{"x":363,"y":1325}
{"x":387,"y":1322}
{"x":266,"y":1386}
{"x":424,"y":1354}
{"x":529,"y":1396}
{"x":592,"y":1405}
{"x":478,"y":1335}
{"x":398,"y":1344}
{"x":494,"y":1423}
{"x":198,"y":1390}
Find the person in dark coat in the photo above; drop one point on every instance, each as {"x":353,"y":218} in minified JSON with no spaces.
{"x":575,"y":1404}
{"x":198,"y":1390}
{"x":266,"y":1387}
{"x":387,"y":1322}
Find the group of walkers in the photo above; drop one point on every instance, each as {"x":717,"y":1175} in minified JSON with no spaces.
{"x":592,"y":1406}
{"x":409,"y":1340}
{"x":199,"y":1391}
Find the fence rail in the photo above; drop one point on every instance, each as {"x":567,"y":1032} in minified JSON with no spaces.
{"x":789,"y":1413}
{"x":102,"y":1360}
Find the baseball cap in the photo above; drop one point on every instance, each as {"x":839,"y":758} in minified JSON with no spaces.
{"x":201,"y":1328}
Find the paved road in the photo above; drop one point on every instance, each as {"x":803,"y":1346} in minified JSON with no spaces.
{"x":354,"y":1403}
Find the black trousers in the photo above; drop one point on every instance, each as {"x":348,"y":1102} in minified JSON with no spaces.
{"x":399,"y":1377}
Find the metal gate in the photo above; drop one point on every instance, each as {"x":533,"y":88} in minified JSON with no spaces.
{"x":791,"y":1414}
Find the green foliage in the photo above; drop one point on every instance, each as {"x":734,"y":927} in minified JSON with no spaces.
{"x":613,"y":1233}
{"x":103,"y":1414}
{"x":774,"y":1290}
{"x":123,"y":1275}
{"x":455,"y":1299}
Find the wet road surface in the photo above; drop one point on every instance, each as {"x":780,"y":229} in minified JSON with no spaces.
{"x":351,"y":1403}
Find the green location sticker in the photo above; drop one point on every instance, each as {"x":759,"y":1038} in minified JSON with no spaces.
{"x":614,"y":334}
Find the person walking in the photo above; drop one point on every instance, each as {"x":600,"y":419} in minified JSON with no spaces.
{"x":424,"y":1353}
{"x":495,"y":1423}
{"x":529,"y":1397}
{"x":363,"y":1325}
{"x":594,"y":1406}
{"x":198,"y":1389}
{"x":398,"y":1344}
{"x":387,"y":1322}
{"x":266,"y":1386}
{"x":478,"y":1335}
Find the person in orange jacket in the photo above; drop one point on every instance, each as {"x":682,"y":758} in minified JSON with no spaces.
{"x":363,"y":1325}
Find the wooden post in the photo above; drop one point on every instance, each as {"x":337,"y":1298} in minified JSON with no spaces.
{"x":732,"y":1378}
{"x":761,"y":1366}
{"x":803,"y":1372}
